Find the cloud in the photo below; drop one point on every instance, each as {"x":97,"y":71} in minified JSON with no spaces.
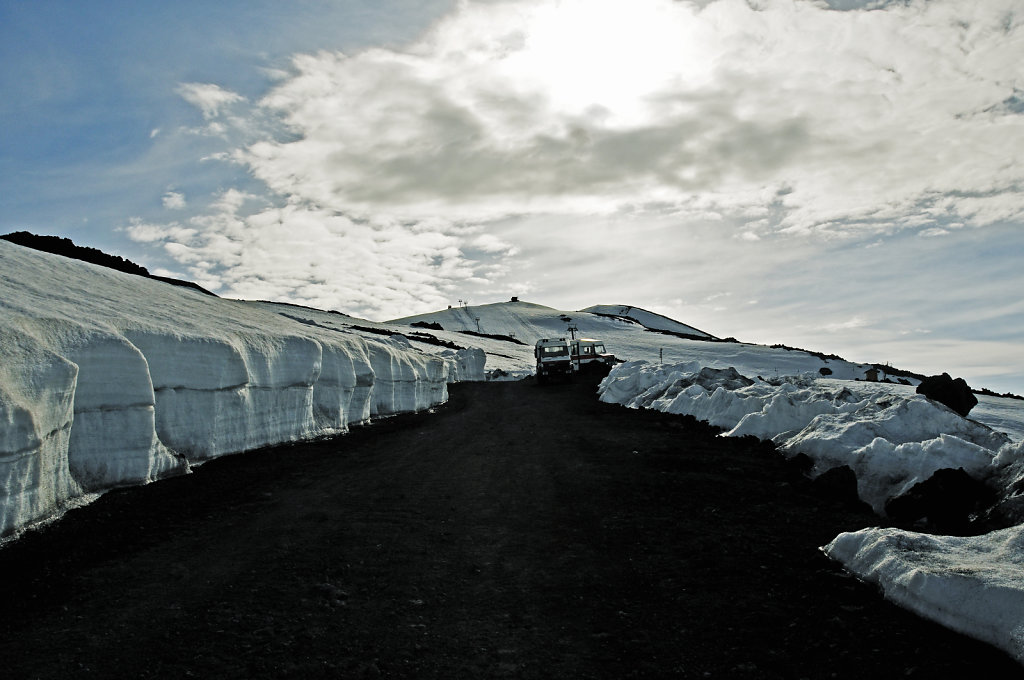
{"x":209,"y":98}
{"x":853,"y":120}
{"x":829,"y":160}
{"x":143,"y":232}
{"x":845,"y":326}
{"x":247,"y":249}
{"x":174,"y":200}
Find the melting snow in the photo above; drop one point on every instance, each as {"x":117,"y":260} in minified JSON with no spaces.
{"x":110,"y":379}
{"x":973,"y":585}
{"x":892,"y":438}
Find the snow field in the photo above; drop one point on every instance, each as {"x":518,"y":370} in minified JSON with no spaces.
{"x":109,"y":379}
{"x":646,"y":319}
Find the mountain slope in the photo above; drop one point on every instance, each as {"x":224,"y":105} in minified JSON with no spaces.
{"x":630,"y":333}
{"x":649,"y":320}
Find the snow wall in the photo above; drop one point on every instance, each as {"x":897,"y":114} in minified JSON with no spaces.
{"x":108,"y":379}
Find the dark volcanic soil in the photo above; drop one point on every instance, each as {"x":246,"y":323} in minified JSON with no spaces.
{"x":518,"y":532}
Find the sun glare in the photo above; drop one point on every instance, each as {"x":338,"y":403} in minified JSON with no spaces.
{"x":609,"y":56}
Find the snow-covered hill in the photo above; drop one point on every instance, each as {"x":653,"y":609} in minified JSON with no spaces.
{"x":636,"y":335}
{"x":649,"y":320}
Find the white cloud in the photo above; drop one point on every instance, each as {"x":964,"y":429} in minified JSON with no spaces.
{"x":209,"y":98}
{"x":174,"y":200}
{"x":144,"y":232}
{"x":488,"y":243}
{"x":843,"y":326}
{"x":311,"y":256}
{"x":850,"y":118}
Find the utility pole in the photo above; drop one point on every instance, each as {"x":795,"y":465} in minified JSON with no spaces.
{"x":477,"y":319}
{"x":573,"y":330}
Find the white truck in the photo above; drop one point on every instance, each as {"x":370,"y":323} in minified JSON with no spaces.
{"x":553,"y":359}
{"x":588,"y":354}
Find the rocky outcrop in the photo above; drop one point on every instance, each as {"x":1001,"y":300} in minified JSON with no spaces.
{"x":956,"y":394}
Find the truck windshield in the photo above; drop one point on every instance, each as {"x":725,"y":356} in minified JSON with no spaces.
{"x":555,"y":350}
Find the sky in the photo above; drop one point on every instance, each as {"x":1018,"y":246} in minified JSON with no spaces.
{"x":837,"y":175}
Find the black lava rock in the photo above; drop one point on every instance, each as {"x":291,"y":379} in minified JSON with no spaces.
{"x":956,"y":394}
{"x":947,"y":501}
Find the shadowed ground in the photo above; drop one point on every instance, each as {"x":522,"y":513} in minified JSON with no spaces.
{"x":518,"y":532}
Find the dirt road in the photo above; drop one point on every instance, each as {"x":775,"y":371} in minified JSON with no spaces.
{"x":518,"y":532}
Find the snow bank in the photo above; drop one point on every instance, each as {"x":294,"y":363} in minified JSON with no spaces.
{"x":109,"y":379}
{"x":37,"y":390}
{"x":1010,"y":479}
{"x":974,"y":585}
{"x":891,"y":440}
{"x":467,"y":365}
